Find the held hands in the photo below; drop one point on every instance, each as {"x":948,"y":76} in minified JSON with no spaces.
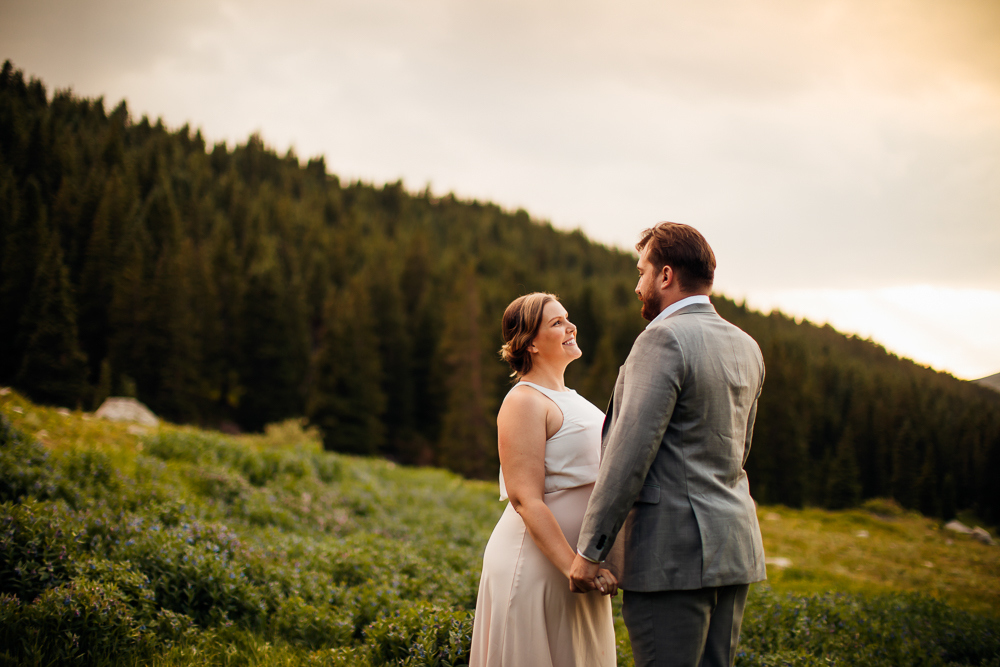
{"x":585,"y":576}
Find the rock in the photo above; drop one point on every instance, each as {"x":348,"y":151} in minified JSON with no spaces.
{"x":861,"y":533}
{"x":135,"y":429}
{"x":958,"y":527}
{"x":982,"y":536}
{"x":778,"y":562}
{"x":63,"y":412}
{"x":118,"y":409}
{"x":4,"y":391}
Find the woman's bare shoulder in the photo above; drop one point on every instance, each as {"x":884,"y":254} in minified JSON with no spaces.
{"x":523,"y":402}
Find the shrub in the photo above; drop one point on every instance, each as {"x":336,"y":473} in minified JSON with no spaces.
{"x":876,"y":631}
{"x":132,"y":585}
{"x":883,"y":507}
{"x":90,"y":471}
{"x":171,"y":628}
{"x":25,"y":467}
{"x":83,"y":621}
{"x":421,"y":635}
{"x":37,"y":546}
{"x":304,"y":624}
{"x":193,"y":574}
{"x":258,"y":467}
{"x":220,"y":484}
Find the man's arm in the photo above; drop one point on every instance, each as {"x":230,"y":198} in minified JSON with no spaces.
{"x":752,"y":417}
{"x":654,"y":375}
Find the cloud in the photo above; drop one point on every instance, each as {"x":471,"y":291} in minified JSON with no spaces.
{"x":837,"y":144}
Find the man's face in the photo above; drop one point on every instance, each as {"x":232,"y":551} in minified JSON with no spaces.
{"x":647,"y":289}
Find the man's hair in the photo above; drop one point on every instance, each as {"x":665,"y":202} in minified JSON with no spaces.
{"x":684,"y":250}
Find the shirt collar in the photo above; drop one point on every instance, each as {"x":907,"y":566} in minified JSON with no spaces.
{"x":677,"y":305}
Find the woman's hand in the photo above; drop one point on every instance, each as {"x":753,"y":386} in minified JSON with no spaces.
{"x":606,"y":582}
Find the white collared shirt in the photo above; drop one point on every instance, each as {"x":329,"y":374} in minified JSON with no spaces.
{"x":677,"y":305}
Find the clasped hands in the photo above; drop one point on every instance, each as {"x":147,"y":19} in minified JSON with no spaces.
{"x":585,"y":576}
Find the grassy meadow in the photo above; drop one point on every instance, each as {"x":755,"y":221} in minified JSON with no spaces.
{"x":123,"y":545}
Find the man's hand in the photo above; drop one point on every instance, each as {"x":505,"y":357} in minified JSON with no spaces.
{"x":582,"y":574}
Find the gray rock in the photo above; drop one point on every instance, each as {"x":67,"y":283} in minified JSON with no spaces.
{"x":958,"y":527}
{"x":982,"y":536}
{"x":119,"y":409}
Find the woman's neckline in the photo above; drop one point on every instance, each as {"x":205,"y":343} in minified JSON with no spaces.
{"x":564,"y":390}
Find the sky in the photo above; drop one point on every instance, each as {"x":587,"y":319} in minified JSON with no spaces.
{"x":841,"y":156}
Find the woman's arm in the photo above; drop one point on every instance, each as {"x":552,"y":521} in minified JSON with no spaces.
{"x":521,"y":426}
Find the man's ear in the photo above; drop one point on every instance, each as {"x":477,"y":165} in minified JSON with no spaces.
{"x":667,"y":276}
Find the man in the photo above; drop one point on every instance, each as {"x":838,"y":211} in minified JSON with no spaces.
{"x":675,"y":441}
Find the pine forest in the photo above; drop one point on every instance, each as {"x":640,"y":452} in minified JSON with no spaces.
{"x":235,"y":287}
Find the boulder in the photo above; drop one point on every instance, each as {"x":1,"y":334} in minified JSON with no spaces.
{"x":958,"y":527}
{"x":118,"y":409}
{"x":982,"y":536}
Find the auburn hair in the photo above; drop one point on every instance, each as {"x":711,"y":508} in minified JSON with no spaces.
{"x":519,"y":326}
{"x":684,"y":250}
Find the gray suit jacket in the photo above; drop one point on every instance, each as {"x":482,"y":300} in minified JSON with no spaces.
{"x":675,"y":441}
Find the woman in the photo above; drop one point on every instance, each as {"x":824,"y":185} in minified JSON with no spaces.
{"x":550,"y":447}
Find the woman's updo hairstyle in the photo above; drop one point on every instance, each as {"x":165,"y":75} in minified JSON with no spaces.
{"x":520,"y":325}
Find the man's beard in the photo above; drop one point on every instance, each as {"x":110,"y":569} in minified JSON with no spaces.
{"x":651,"y":305}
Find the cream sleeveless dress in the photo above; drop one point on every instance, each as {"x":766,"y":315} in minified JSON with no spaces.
{"x":526,"y":615}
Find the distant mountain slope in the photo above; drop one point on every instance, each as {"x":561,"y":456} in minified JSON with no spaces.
{"x":990,"y":381}
{"x":238,"y":287}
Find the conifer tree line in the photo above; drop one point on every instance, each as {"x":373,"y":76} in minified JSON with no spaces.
{"x":233,"y":288}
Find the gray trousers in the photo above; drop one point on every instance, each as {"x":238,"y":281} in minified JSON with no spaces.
{"x":698,"y":628}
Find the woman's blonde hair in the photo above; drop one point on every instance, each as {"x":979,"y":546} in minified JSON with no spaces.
{"x":520,"y":325}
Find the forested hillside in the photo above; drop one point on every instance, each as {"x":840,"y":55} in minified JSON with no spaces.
{"x":236,"y":287}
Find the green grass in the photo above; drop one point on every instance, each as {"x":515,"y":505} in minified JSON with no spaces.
{"x":177,"y":546}
{"x":908,"y":553}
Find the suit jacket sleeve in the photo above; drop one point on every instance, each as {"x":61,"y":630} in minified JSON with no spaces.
{"x":751,"y":418}
{"x":654,"y":375}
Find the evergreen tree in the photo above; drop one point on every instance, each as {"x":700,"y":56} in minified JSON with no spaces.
{"x":175,"y":339}
{"x":948,"y":495}
{"x":346,"y":400}
{"x":468,"y":441}
{"x":99,"y":269}
{"x":103,"y":389}
{"x":129,"y":312}
{"x":396,"y":355}
{"x":928,"y":499}
{"x":24,"y":229}
{"x":904,"y":467}
{"x":423,"y":322}
{"x":274,"y":348}
{"x":53,"y":369}
{"x":843,"y":483}
{"x":603,"y":366}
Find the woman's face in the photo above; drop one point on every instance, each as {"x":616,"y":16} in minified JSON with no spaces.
{"x":556,"y":338}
